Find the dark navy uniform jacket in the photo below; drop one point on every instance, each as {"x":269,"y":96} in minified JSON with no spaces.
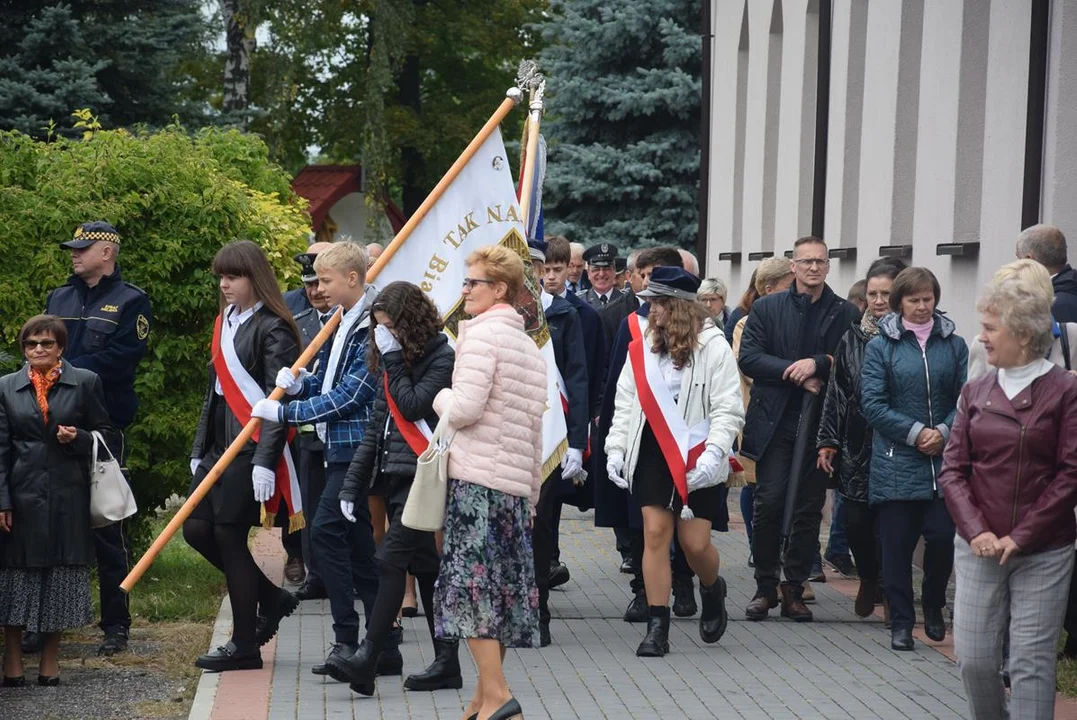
{"x":108,"y":327}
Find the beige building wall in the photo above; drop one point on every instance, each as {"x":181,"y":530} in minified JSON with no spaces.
{"x":925,"y":142}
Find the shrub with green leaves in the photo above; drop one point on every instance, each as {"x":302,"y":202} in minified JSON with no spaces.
{"x":175,"y":199}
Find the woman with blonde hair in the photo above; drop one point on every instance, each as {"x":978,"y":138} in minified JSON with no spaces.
{"x":485,"y":591}
{"x":773,"y":275}
{"x":1009,"y":478}
{"x":1035,"y":278}
{"x":677,"y":414}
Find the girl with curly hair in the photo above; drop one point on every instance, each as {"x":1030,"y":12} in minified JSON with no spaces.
{"x":678,"y":412}
{"x":415,"y":361}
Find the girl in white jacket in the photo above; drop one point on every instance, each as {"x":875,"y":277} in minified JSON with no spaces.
{"x":677,"y":412}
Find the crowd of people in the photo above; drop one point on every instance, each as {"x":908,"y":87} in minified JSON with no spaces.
{"x":672,"y":397}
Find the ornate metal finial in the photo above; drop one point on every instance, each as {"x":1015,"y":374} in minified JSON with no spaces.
{"x":527,"y":75}
{"x":515,"y":94}
{"x":538,"y":96}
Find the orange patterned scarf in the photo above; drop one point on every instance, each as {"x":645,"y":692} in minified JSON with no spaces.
{"x":43,"y":382}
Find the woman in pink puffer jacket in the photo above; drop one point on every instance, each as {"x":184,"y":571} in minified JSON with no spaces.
{"x":486,"y":589}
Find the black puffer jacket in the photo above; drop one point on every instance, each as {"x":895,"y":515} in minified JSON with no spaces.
{"x":842,"y":426}
{"x":46,"y":485}
{"x":413,"y":389}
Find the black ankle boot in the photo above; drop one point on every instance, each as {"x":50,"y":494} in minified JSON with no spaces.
{"x":684,"y":597}
{"x":443,"y":673}
{"x":359,"y":670}
{"x":390,"y":662}
{"x":637,"y":609}
{"x":656,"y":642}
{"x":714,"y":619}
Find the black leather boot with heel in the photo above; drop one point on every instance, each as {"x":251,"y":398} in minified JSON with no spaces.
{"x":656,"y":641}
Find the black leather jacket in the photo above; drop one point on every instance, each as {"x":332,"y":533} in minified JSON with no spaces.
{"x":842,"y":426}
{"x":384,"y":447}
{"x":264,"y":344}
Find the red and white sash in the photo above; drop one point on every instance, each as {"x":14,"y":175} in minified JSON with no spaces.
{"x":417,"y":434}
{"x":241,"y":391}
{"x":681,"y":445}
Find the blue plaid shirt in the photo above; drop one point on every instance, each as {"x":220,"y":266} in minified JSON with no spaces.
{"x":347,"y":406}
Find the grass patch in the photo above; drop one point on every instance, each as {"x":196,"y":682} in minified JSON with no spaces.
{"x":180,"y":586}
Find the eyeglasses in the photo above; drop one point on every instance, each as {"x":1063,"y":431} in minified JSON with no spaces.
{"x":711,"y":298}
{"x":470,"y":283}
{"x":45,"y":344}
{"x":812,"y":262}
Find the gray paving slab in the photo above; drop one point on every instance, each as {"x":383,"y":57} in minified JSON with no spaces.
{"x":837,"y":667}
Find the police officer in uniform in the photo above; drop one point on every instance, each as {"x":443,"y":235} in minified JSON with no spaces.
{"x":108,"y":325}
{"x":601,"y":259}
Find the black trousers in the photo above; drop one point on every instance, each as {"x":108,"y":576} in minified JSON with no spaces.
{"x":110,"y":546}
{"x":542,"y":540}
{"x":311,"y":484}
{"x":861,"y":530}
{"x":901,"y":523}
{"x":771,"y":488}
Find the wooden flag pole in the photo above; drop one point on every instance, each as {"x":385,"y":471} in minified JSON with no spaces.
{"x":226,"y":459}
{"x":512,"y":99}
{"x":537,"y":107}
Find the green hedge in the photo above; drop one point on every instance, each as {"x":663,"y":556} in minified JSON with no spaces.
{"x":175,"y":199}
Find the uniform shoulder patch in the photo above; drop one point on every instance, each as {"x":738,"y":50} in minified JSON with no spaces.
{"x":142,"y":327}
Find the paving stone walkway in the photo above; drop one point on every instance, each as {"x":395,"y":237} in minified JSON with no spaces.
{"x":837,"y":667}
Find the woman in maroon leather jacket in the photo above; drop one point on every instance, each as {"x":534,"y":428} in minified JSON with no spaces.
{"x":1010,"y":483}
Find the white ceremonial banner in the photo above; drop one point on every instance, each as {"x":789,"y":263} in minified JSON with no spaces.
{"x":479,"y":208}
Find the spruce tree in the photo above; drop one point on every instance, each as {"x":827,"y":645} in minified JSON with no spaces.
{"x":126,"y":60}
{"x":623,"y":125}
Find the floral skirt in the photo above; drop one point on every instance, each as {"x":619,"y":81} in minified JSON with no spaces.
{"x":486,"y":585}
{"x":46,"y":599}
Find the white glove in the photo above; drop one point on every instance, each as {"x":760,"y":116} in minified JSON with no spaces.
{"x":572,"y":463}
{"x":291,"y":384}
{"x":385,"y":340}
{"x":615,"y":465}
{"x":347,"y":509}
{"x":195,"y":462}
{"x":266,"y":409}
{"x":708,"y":469}
{"x":264,"y":481}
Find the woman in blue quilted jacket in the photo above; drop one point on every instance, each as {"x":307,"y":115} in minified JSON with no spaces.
{"x":911,"y":380}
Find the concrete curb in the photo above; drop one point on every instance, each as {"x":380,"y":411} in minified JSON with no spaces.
{"x":206,"y":694}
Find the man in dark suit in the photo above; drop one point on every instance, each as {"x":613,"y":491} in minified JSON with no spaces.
{"x":297,"y":300}
{"x":311,"y":449}
{"x":601,"y":259}
{"x":577,"y":280}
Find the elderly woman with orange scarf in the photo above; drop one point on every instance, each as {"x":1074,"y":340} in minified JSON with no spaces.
{"x":48,"y":410}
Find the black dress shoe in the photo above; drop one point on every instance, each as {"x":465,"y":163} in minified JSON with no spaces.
{"x":32,"y":643}
{"x":294,"y":570}
{"x":637,"y":609}
{"x":843,"y":564}
{"x":628,"y":567}
{"x":48,"y":680}
{"x":340,"y":650}
{"x":19,"y":681}
{"x":934,"y":625}
{"x":901,"y":639}
{"x":443,"y":673}
{"x":284,"y":606}
{"x":559,"y":575}
{"x":510,"y":709}
{"x":311,"y":591}
{"x":684,"y":598}
{"x":229,"y":657}
{"x":114,"y":643}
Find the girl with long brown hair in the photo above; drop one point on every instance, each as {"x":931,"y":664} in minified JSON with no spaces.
{"x":678,"y":412}
{"x":254,"y":337}
{"x":415,"y":362}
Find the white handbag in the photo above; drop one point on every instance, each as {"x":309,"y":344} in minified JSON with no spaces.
{"x":111,"y":499}
{"x":425,"y":507}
